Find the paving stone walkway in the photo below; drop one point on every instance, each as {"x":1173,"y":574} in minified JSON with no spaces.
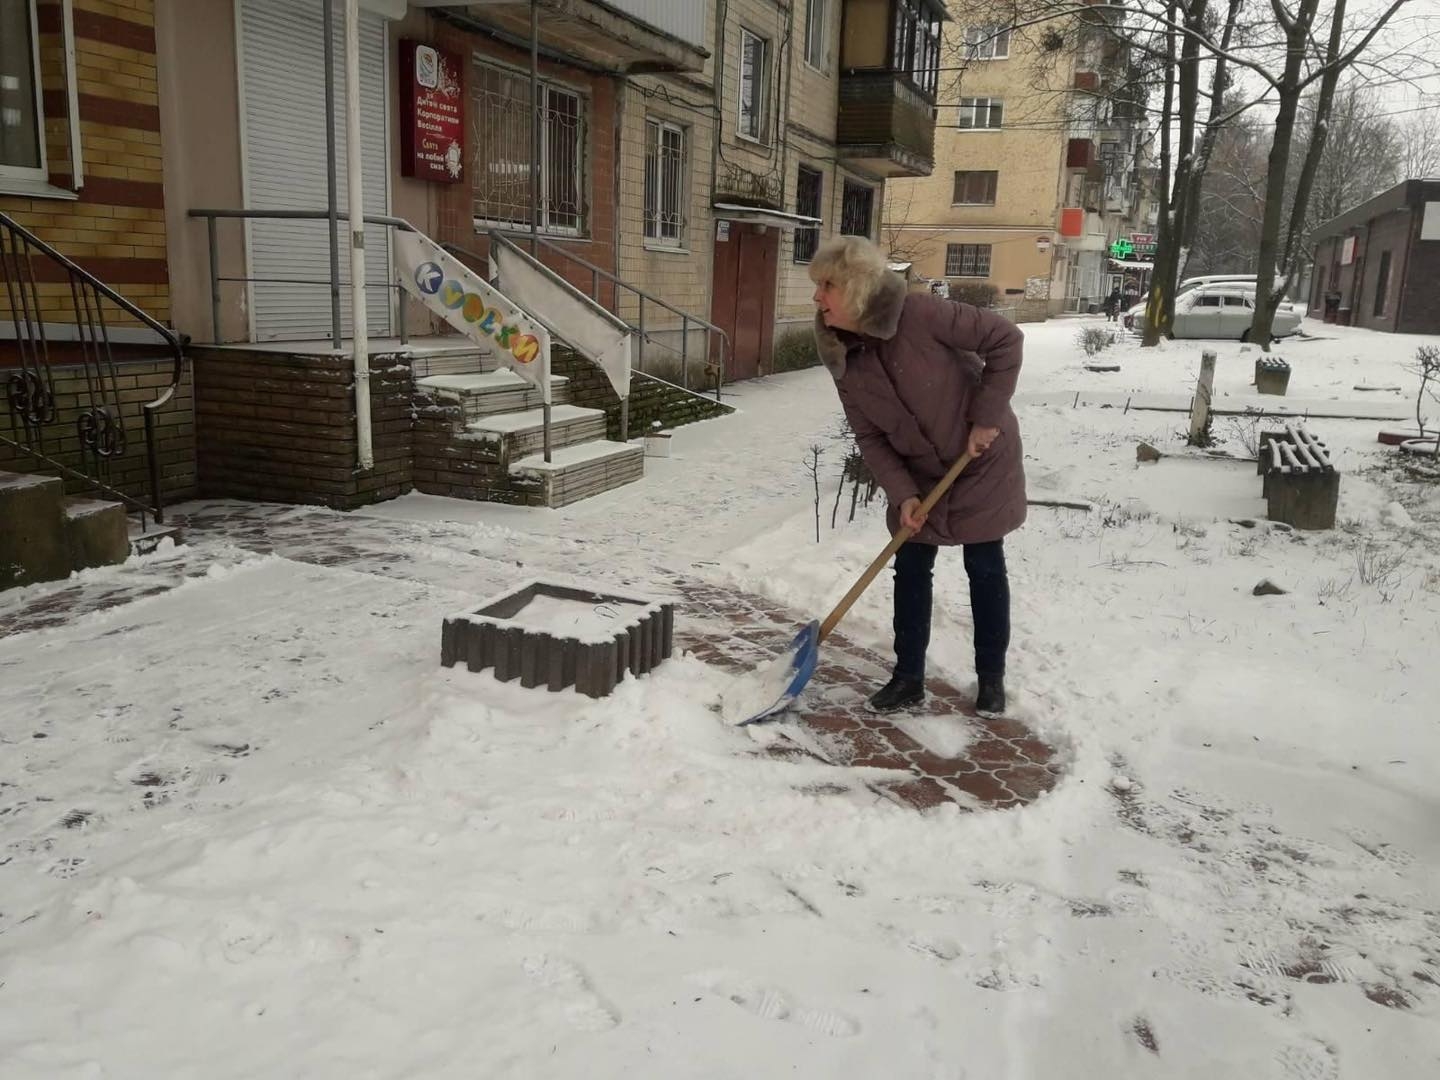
{"x":1004,"y":763}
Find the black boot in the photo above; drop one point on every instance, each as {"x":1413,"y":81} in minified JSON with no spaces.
{"x":990,"y":697}
{"x":901,"y":692}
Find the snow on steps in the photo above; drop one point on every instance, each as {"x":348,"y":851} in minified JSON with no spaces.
{"x":578,"y":472}
{"x":524,"y":432}
{"x":493,"y":392}
{"x":468,"y":359}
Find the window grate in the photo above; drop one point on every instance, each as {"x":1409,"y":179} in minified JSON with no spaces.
{"x":856,"y":208}
{"x":500,"y":159}
{"x":809,"y":190}
{"x":967,"y":260}
{"x":664,"y":182}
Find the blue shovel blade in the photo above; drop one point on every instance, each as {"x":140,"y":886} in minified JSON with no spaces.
{"x":792,"y":672}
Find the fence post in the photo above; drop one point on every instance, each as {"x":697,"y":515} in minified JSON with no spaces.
{"x":214,"y":281}
{"x":1200,"y":409}
{"x":685,"y":351}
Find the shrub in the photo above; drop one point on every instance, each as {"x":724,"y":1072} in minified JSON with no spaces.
{"x":1093,"y":339}
{"x":977,"y":294}
{"x":794,"y":350}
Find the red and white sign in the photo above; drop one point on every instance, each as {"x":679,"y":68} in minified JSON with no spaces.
{"x":432,"y":113}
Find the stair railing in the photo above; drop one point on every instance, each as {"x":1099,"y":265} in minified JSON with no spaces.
{"x":35,"y":410}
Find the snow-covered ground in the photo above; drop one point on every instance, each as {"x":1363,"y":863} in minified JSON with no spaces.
{"x":250,"y":828}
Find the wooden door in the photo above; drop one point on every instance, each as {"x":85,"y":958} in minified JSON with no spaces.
{"x":743,"y":302}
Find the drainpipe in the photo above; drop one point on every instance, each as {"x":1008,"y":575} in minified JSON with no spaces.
{"x":332,"y":201}
{"x":359,"y":331}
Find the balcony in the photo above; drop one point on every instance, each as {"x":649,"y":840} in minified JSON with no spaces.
{"x":622,"y":36}
{"x":886,"y":127}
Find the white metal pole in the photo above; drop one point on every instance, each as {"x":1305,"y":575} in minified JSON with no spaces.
{"x":358,"y":329}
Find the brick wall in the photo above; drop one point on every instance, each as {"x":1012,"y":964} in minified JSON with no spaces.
{"x":1419,"y":304}
{"x":115,"y":228}
{"x":136,"y":382}
{"x":1389,"y":233}
{"x":448,"y":461}
{"x":281,"y":428}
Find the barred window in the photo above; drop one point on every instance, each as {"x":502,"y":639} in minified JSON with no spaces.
{"x":976,"y":187}
{"x":856,"y":209}
{"x":981,"y":112}
{"x":500,"y":163}
{"x":967,"y":260}
{"x":809,"y":189}
{"x":664,"y":182}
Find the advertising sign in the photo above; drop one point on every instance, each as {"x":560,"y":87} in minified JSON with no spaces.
{"x":466,"y":301}
{"x":432,"y":113}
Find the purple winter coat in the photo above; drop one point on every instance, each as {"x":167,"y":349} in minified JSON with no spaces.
{"x":922,"y":371}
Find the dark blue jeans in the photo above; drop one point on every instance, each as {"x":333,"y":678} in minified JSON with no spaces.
{"x":989,"y":605}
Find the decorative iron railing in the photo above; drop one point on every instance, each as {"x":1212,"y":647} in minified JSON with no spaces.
{"x":58,"y":314}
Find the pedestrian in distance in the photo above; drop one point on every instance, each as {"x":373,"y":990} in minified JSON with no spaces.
{"x":923,"y":380}
{"x":1112,"y":305}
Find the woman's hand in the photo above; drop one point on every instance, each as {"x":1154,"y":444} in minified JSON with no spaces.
{"x":910,"y":516}
{"x":980,"y":440}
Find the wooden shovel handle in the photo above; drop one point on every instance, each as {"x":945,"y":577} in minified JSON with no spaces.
{"x":833,"y":619}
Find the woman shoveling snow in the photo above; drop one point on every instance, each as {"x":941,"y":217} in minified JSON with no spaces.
{"x":922,"y":381}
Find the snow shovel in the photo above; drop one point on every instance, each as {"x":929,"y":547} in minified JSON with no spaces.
{"x":782,"y":681}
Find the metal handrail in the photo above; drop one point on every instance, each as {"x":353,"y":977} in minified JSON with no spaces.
{"x":34,"y":332}
{"x":211,"y":216}
{"x":597,"y":272}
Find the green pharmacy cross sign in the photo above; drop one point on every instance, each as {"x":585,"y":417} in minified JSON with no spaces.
{"x":1122,"y":249}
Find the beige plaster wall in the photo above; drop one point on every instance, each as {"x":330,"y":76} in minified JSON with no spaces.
{"x":200,"y":140}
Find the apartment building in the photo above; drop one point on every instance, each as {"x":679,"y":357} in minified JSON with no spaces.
{"x":1036,"y":191}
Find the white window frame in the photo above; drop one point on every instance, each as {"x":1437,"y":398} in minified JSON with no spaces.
{"x":971,"y":105}
{"x":26,"y":173}
{"x":817,"y":35}
{"x":958,"y":251}
{"x":986,"y":42}
{"x":654,"y":223}
{"x":761,"y":83}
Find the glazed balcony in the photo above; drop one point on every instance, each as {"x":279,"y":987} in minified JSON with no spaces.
{"x":886,"y":126}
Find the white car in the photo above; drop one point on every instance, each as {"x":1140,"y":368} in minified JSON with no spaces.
{"x":1218,"y":310}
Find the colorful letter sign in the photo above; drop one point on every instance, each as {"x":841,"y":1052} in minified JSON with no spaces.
{"x":432,"y":113}
{"x":473,"y":306}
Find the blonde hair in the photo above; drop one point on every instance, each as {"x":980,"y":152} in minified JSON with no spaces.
{"x":855,"y":265}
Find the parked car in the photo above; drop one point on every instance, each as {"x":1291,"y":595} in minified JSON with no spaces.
{"x":1218,"y":310}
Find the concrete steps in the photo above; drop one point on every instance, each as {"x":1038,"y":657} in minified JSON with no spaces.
{"x":467,"y":359}
{"x":488,"y":393}
{"x":523,"y":433}
{"x":45,"y":535}
{"x":579,"y":472}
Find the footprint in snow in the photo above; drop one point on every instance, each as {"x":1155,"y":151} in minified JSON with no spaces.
{"x":769,"y":1003}
{"x":581,"y":1006}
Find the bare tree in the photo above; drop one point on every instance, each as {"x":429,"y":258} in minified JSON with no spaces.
{"x":1363,"y":154}
{"x":1420,"y":145}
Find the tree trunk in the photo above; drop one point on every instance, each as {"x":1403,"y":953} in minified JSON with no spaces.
{"x":1162,"y":276}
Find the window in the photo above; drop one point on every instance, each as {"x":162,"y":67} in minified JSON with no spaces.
{"x":664,"y":182}
{"x":501,"y":153}
{"x":809,"y":188}
{"x":967,"y":260}
{"x":816,"y":33}
{"x":1206,"y":300}
{"x":22,"y":123}
{"x":981,"y":112}
{"x":754,"y":75}
{"x":1236,"y":301}
{"x":855,"y":209}
{"x":1382,"y":284}
{"x":974,"y":188}
{"x":988,"y":42}
{"x":915,"y":44}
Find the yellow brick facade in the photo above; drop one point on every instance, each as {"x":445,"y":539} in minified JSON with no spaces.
{"x":113,"y":225}
{"x":922,"y":217}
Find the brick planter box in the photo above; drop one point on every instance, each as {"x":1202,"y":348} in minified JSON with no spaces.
{"x":561,"y":636}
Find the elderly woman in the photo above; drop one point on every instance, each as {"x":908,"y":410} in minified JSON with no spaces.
{"x":922,"y":380}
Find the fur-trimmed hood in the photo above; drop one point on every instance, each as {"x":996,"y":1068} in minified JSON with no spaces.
{"x":880,"y":319}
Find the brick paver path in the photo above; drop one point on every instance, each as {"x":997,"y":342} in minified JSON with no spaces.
{"x":1005,"y":764}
